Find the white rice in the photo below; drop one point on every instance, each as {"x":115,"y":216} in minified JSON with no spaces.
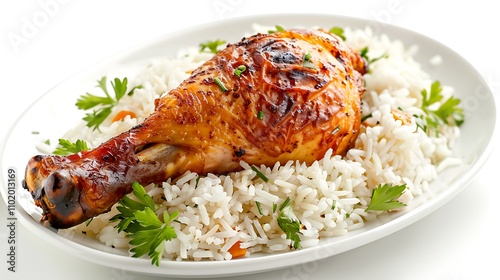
{"x":329,"y":196}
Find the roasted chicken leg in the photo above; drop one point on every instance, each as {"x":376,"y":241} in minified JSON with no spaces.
{"x":299,"y":95}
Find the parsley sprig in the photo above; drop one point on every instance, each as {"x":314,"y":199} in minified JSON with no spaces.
{"x":364,"y":53}
{"x":104,"y":104}
{"x":448,"y":112}
{"x":211,"y":46}
{"x":338,"y":31}
{"x":289,"y":223}
{"x":67,"y":147}
{"x":278,"y":28}
{"x":385,"y":197}
{"x":146,"y":231}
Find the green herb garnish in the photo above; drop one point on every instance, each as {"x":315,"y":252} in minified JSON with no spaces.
{"x":260,"y":115}
{"x":338,"y":31}
{"x":105,"y":103}
{"x":259,"y":174}
{"x":259,"y":207}
{"x":67,"y":147}
{"x":197,"y":181}
{"x":306,"y":61}
{"x":448,"y":113}
{"x":385,"y":197}
{"x":239,"y":70}
{"x":146,"y":231}
{"x":220,"y":84}
{"x":278,"y":28}
{"x":364,"y":118}
{"x":285,"y":203}
{"x":289,"y":223}
{"x":307,"y":56}
{"x":364,"y":53}
{"x":87,"y":222}
{"x":212,"y":46}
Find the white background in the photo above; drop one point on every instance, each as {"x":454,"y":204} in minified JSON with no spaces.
{"x":458,"y":241}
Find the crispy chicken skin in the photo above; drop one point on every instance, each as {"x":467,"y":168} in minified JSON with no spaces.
{"x":299,"y":96}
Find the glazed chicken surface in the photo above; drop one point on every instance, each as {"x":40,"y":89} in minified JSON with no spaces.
{"x":299,"y":96}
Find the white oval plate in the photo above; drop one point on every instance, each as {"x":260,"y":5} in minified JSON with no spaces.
{"x":54,"y":113}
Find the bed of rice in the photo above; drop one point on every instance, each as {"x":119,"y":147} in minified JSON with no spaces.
{"x":329,"y":196}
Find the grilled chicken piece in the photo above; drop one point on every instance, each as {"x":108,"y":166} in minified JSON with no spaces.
{"x":298,"y":97}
